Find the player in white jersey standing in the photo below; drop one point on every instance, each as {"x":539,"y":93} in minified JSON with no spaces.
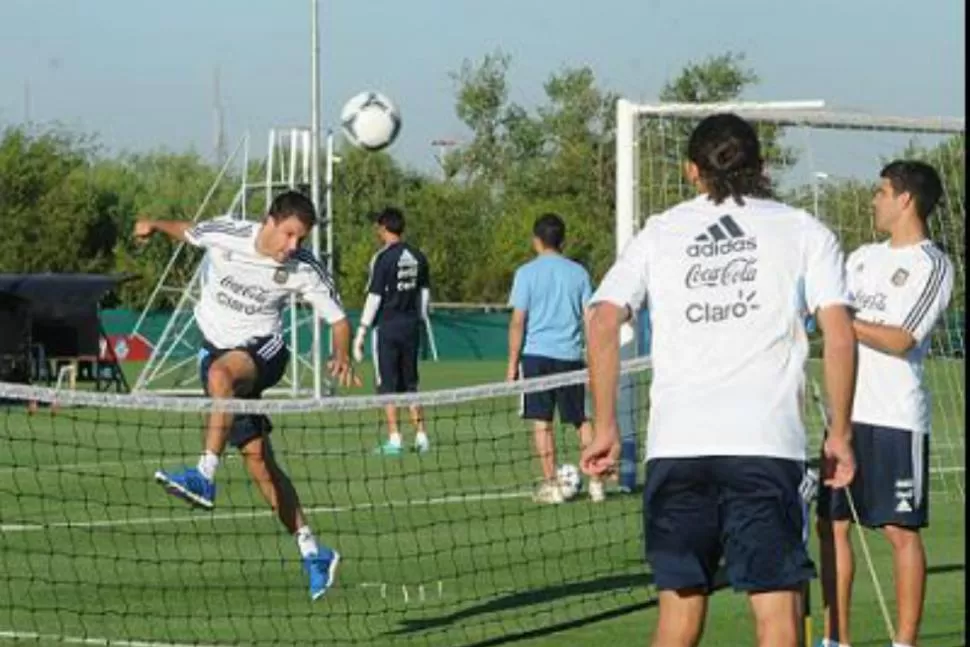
{"x":249,"y":271}
{"x":728,"y":278}
{"x":899,"y":289}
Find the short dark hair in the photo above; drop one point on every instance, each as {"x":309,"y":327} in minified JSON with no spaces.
{"x":293,"y":204}
{"x":550,"y":229}
{"x":727,"y":153}
{"x":918,"y":179}
{"x":390,"y":218}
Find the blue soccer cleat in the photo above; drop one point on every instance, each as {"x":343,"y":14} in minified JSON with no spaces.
{"x":322,"y":570}
{"x":189,"y":485}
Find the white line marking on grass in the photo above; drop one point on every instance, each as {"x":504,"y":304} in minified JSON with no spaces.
{"x":256,"y":514}
{"x":63,"y":467}
{"x":9,"y":634}
{"x":946,"y":470}
{"x":90,"y":465}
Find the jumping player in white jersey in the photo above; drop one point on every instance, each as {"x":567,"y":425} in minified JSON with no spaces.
{"x":249,"y":271}
{"x":728,"y":277}
{"x":899,"y":289}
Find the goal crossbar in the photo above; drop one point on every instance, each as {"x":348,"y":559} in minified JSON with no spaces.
{"x":631,"y":136}
{"x":799,"y":113}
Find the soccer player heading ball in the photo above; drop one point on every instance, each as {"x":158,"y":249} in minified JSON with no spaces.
{"x":249,"y":271}
{"x":729,"y":277}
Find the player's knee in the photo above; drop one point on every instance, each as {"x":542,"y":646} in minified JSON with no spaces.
{"x":777,"y":632}
{"x":220,"y":382}
{"x":257,"y":465}
{"x":543,"y":427}
{"x":902,"y":538}
{"x":841,"y":531}
{"x":776,"y":623}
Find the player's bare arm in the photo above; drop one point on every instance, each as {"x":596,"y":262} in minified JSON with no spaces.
{"x":894,"y":340}
{"x":516,"y":336}
{"x":174,"y":229}
{"x":839,"y":366}
{"x":339,"y":365}
{"x":603,"y":321}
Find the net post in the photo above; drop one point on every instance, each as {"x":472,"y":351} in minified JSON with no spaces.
{"x":626,"y":213}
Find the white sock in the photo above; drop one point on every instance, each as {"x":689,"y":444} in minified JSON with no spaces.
{"x":208,"y":463}
{"x":306,"y":541}
{"x":896,"y":644}
{"x":833,"y":643}
{"x":395,"y":439}
{"x":421,"y":438}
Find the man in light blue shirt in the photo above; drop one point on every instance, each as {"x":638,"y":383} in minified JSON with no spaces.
{"x":548,"y":296}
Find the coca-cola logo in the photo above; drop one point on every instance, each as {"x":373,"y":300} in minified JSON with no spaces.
{"x":734,"y":272}
{"x":255,"y":292}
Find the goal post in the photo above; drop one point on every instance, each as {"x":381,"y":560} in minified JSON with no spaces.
{"x":634,"y":337}
{"x":828,"y":163}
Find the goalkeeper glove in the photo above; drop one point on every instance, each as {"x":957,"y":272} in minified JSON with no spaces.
{"x":359,"y":344}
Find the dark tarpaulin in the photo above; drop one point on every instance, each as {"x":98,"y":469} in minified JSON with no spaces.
{"x":59,"y":295}
{"x":64,"y":309}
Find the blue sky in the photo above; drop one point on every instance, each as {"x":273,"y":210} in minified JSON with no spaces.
{"x":139,"y":74}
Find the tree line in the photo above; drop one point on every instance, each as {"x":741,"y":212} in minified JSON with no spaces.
{"x":67,"y":206}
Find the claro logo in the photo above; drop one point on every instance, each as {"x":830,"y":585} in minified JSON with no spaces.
{"x":731,"y":309}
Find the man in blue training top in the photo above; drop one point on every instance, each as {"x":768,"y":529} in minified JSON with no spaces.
{"x":548,"y":296}
{"x":398,"y":294}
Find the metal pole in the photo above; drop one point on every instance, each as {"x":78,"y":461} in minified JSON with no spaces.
{"x":315,"y":180}
{"x":626,"y":218}
{"x":328,"y":206}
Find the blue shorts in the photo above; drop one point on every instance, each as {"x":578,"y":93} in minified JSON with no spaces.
{"x":542,"y":405}
{"x":891,"y":480}
{"x":746,"y":509}
{"x":396,"y":351}
{"x":270,"y":356}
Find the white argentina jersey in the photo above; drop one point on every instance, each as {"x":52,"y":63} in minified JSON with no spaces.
{"x":908,"y":287}
{"x":727,"y":288}
{"x":243,"y":292}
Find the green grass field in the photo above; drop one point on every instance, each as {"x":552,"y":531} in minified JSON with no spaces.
{"x":443,"y":549}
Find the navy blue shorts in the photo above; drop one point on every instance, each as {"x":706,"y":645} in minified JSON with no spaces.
{"x":270,"y":355}
{"x":396,"y":349}
{"x":542,"y":405}
{"x":744,"y":509}
{"x":891,"y":480}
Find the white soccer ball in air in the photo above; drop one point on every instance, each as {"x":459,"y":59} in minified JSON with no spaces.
{"x":569,"y":480}
{"x":370,"y":121}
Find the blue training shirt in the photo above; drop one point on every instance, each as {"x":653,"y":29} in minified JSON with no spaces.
{"x":552,"y":291}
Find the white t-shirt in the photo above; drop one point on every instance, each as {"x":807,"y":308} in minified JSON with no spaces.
{"x":908,"y":287}
{"x":727,"y":288}
{"x":243,"y":292}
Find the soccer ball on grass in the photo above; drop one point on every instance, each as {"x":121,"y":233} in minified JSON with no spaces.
{"x":569,"y":480}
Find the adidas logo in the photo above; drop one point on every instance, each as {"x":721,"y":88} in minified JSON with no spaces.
{"x":406,"y":259}
{"x":723,"y":237}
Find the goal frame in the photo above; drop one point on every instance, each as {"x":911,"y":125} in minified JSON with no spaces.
{"x":798,"y":113}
